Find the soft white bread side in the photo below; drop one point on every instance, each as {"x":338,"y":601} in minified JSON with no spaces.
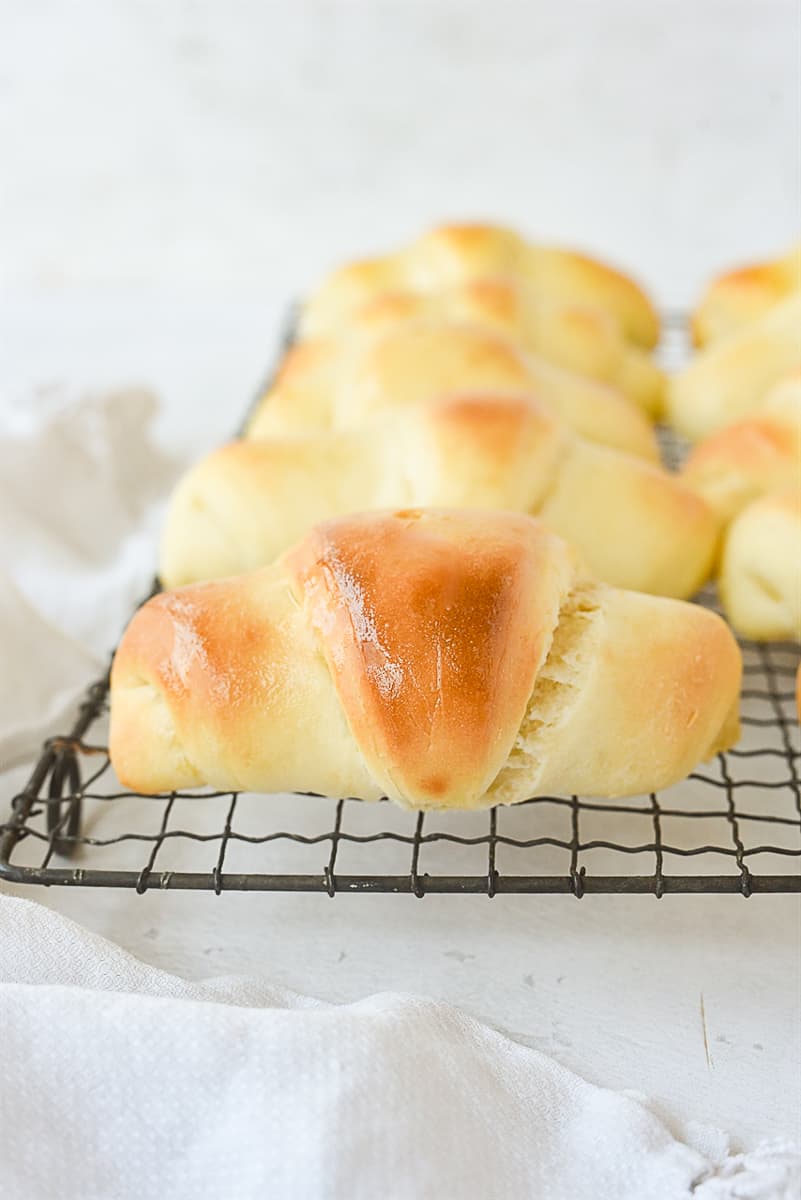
{"x":454,"y":254}
{"x":760,"y":576}
{"x":740,"y":296}
{"x":632,"y":523}
{"x":660,"y":672}
{"x":578,"y":337}
{"x":341,"y":383}
{"x":447,"y":659}
{"x":754,"y":456}
{"x":730,"y":379}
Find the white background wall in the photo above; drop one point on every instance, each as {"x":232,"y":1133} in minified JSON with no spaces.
{"x":252,"y":144}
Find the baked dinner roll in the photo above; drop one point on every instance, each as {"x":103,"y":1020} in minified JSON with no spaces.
{"x":580,"y":338}
{"x":341,"y":383}
{"x":739,"y":296}
{"x":444,"y":658}
{"x":729,"y":380}
{"x":633,"y":524}
{"x":455,"y":254}
{"x":756,"y":455}
{"x":785,"y":396}
{"x":760,"y":576}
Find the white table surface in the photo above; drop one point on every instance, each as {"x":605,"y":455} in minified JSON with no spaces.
{"x":171,"y":176}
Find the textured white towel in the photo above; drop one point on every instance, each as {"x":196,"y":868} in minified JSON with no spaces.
{"x":119,"y":1080}
{"x":81,"y":484}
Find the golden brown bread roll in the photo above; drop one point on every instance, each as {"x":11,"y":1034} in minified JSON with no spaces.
{"x":447,"y":659}
{"x":738,"y":297}
{"x":730,"y":379}
{"x":760,"y":576}
{"x":454,"y":254}
{"x":581,"y":338}
{"x":340,"y":383}
{"x":633,"y":524}
{"x":752,"y":457}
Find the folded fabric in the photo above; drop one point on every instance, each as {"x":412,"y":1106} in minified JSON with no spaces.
{"x":81,"y":486}
{"x":120,"y":1080}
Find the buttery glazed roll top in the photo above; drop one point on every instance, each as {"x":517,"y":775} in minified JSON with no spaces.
{"x":751,"y":457}
{"x":435,"y":716}
{"x":245,"y":503}
{"x":341,"y":383}
{"x":579,"y":337}
{"x":453,"y":254}
{"x":730,"y":379}
{"x":741,"y":295}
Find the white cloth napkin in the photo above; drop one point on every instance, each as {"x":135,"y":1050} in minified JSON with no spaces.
{"x":81,"y":488}
{"x":118,"y":1080}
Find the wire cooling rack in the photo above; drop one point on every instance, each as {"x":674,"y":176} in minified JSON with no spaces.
{"x":734,"y":826}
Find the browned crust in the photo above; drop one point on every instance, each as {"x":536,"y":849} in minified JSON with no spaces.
{"x":433,"y":625}
{"x":488,"y":249}
{"x":455,"y":253}
{"x":741,"y":294}
{"x":752,"y":444}
{"x":202,"y":642}
{"x":503,"y":426}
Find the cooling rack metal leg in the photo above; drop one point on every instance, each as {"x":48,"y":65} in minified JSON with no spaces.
{"x":64,"y":802}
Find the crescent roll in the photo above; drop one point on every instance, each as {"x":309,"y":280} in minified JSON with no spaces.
{"x":454,"y":254}
{"x":729,"y":380}
{"x":738,"y":297}
{"x":581,"y":338}
{"x":341,"y":383}
{"x":760,"y":575}
{"x":752,"y":457}
{"x":443,"y":658}
{"x":632,"y":523}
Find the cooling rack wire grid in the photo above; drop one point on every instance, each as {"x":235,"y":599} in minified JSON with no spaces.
{"x":733,"y":826}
